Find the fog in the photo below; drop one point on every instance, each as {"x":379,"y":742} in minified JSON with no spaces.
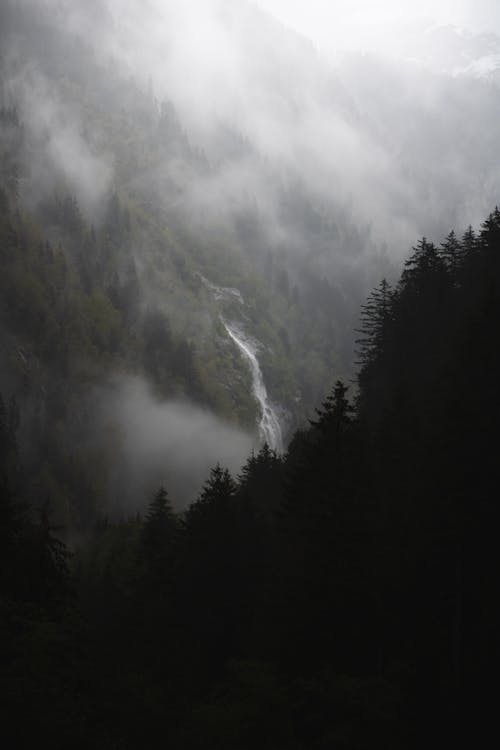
{"x":380,"y":25}
{"x":388,"y":138}
{"x":61,"y":152}
{"x":230,"y":63}
{"x":155,"y":442}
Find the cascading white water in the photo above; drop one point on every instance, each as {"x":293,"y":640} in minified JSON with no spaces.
{"x":223,"y":293}
{"x":269,"y":426}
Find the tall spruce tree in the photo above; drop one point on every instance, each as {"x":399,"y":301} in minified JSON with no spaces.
{"x":159,"y":535}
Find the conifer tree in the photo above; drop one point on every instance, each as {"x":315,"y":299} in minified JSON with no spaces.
{"x":376,"y":319}
{"x":489,"y":240}
{"x":336,"y":412}
{"x":425,"y":267}
{"x":214,"y":506}
{"x":261,"y":479}
{"x":469,"y":243}
{"x":452,"y":253}
{"x":159,"y":534}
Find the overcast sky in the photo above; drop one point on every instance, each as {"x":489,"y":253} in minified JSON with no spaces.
{"x":371,"y":24}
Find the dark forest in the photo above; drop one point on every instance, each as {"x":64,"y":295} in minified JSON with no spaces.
{"x":341,"y":595}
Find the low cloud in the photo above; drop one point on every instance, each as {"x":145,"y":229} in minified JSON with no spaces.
{"x":60,"y":153}
{"x":170,"y":443}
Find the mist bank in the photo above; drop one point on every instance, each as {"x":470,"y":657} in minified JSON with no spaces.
{"x":155,"y":442}
{"x":393,"y":148}
{"x":396,"y":146}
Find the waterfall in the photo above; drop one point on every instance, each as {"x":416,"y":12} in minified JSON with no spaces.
{"x":222,"y":293}
{"x":269,"y":426}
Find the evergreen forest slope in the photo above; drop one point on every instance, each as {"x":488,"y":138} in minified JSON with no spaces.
{"x":343,"y":595}
{"x":110,"y":264}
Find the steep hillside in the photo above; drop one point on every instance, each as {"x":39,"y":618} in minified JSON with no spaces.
{"x":112,"y":263}
{"x":149,"y":160}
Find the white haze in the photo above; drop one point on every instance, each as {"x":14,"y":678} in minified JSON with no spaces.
{"x":63,"y":155}
{"x":229,"y":62}
{"x":153,"y":443}
{"x":379,"y":25}
{"x":396,"y":147}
